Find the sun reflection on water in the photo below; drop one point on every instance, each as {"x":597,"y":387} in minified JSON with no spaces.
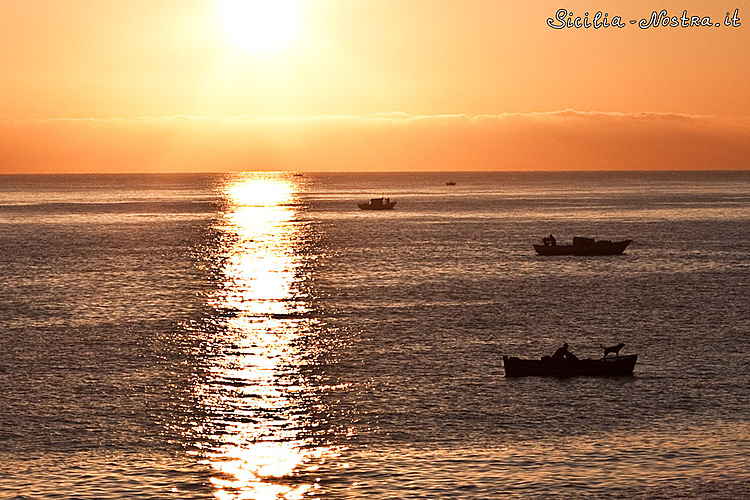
{"x":257,"y":435}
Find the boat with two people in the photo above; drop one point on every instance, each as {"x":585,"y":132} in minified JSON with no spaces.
{"x":381,"y":203}
{"x":565,"y":364}
{"x":581,"y":246}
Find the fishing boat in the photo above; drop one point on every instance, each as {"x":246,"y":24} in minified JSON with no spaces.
{"x":546,"y":367}
{"x":378,"y":204}
{"x":450,"y":183}
{"x":582,"y":246}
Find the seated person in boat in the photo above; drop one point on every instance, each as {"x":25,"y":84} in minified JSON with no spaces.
{"x":550,"y":240}
{"x":563,"y":354}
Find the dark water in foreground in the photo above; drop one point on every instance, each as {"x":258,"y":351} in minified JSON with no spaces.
{"x":257,"y":337}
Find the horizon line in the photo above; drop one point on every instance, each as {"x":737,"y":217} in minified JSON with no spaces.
{"x":380,"y":115}
{"x":228,"y":172}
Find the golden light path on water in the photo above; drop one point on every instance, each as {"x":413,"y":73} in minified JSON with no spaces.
{"x":258,"y":444}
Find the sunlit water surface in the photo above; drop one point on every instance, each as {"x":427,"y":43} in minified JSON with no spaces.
{"x":256,"y":336}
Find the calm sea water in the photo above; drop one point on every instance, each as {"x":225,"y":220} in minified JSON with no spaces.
{"x":256,"y":336}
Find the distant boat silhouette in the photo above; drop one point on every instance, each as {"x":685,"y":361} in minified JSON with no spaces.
{"x":582,"y":246}
{"x":378,"y":204}
{"x":546,"y":367}
{"x":450,"y":183}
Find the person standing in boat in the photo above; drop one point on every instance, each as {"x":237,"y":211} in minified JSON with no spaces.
{"x":552,"y":240}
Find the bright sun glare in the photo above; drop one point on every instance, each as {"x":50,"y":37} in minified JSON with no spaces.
{"x":260,"y":26}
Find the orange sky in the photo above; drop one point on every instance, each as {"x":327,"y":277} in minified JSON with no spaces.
{"x":159,"y":85}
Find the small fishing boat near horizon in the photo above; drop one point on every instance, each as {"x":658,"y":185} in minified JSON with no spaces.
{"x":450,"y":183}
{"x":546,"y":367}
{"x":581,"y":246}
{"x":381,"y":203}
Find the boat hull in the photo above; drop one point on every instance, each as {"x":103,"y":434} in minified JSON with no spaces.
{"x":598,"y":248}
{"x":608,"y":367}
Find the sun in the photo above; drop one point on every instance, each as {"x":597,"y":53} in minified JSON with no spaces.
{"x":260,"y":26}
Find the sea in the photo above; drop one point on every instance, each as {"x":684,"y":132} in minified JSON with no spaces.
{"x":256,"y":335}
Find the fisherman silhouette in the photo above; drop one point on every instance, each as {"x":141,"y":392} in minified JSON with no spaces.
{"x":563,"y":354}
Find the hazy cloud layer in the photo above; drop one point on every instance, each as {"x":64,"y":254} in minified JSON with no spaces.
{"x":562,"y":140}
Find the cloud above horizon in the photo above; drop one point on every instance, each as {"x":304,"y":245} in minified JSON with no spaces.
{"x":559,"y":140}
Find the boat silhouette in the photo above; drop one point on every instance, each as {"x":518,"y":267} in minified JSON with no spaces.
{"x":381,"y":203}
{"x":547,"y":367}
{"x":582,"y":246}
